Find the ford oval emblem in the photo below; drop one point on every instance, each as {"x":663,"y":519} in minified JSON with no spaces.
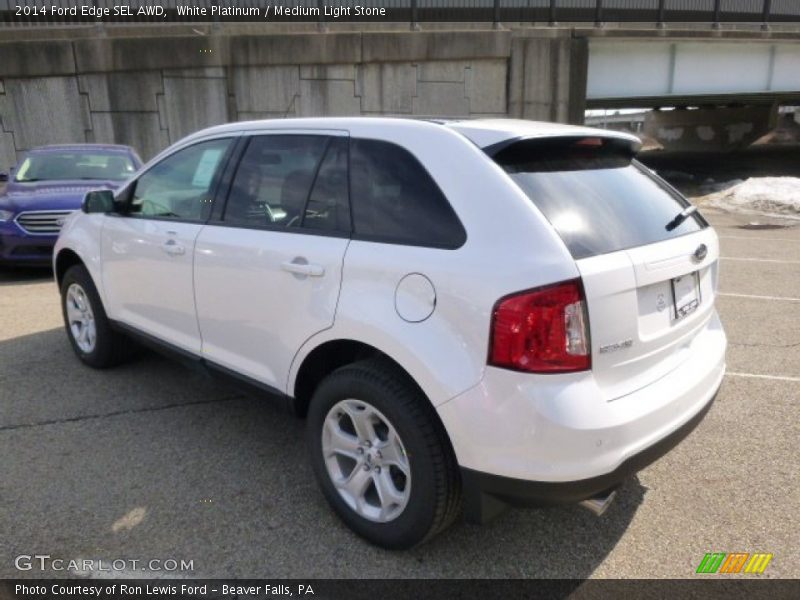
{"x":700,"y":253}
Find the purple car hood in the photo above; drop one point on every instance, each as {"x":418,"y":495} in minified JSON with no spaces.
{"x":51,"y":195}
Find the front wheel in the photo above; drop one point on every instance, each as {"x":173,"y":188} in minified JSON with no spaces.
{"x":381,"y":456}
{"x":88,"y":328}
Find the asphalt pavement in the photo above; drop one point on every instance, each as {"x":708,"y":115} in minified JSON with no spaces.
{"x":154,"y":461}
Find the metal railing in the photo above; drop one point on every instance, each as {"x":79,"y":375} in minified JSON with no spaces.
{"x":661,"y":12}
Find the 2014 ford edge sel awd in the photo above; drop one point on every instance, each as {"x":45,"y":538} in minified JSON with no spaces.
{"x":470,"y":314}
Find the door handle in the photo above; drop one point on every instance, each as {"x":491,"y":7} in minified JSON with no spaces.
{"x":300,"y":268}
{"x":173,"y":248}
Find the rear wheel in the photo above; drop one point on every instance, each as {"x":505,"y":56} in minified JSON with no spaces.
{"x":88,"y":328}
{"x":381,"y":456}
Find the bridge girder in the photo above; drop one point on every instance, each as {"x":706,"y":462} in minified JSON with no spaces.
{"x":682,"y":72}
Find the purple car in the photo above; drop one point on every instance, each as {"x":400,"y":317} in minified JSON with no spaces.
{"x":49,"y":184}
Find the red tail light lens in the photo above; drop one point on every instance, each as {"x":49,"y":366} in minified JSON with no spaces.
{"x":542,"y":331}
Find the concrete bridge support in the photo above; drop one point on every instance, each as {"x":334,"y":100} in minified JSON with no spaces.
{"x":149,"y":91}
{"x":548,"y":77}
{"x":713,"y":129}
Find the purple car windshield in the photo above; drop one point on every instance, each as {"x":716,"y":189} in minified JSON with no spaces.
{"x":52,"y":166}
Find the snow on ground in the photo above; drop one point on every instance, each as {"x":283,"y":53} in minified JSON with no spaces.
{"x":769,"y":196}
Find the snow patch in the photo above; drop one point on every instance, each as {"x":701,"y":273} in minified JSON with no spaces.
{"x":770,"y":196}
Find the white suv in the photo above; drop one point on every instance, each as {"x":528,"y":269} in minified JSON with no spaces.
{"x":471,"y":314}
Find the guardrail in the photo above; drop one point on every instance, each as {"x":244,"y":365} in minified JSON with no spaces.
{"x":33,"y":13}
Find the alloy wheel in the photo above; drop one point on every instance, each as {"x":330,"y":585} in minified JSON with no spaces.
{"x":366,"y":460}
{"x":81,"y":318}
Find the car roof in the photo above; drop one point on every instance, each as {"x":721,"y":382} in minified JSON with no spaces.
{"x":80,"y":147}
{"x":482,"y":132}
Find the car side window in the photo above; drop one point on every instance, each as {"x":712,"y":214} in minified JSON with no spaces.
{"x":273,"y":180}
{"x":395,"y":200}
{"x":180,"y":187}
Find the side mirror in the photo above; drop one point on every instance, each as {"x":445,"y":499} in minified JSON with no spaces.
{"x":98,"y":201}
{"x":3,"y":177}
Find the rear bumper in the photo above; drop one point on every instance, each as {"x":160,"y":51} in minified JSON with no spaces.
{"x":539,"y":440}
{"x":20,"y":248}
{"x":486,"y":494}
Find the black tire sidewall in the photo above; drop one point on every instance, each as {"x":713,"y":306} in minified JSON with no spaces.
{"x":417,"y":519}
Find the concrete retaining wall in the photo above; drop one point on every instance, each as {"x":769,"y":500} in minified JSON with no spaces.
{"x":151,"y":91}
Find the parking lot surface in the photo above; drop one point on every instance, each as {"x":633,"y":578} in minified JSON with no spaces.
{"x":155,"y":461}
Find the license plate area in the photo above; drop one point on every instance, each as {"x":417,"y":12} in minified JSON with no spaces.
{"x":685,"y":294}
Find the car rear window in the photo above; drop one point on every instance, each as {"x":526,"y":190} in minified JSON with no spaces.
{"x":596,"y":196}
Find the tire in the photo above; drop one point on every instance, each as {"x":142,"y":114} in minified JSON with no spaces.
{"x":415,"y":505}
{"x":101,"y":347}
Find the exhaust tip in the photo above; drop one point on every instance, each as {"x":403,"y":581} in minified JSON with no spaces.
{"x":600,"y":503}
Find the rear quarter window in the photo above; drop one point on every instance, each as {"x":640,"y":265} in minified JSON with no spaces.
{"x":395,"y":200}
{"x":595,"y":195}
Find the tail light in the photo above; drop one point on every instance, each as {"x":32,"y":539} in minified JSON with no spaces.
{"x":545,"y":330}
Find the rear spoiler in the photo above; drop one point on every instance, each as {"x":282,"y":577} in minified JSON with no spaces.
{"x":621,"y":145}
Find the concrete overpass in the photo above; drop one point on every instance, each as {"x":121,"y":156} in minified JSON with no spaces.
{"x":148,"y":85}
{"x":734,"y":86}
{"x":650,"y":73}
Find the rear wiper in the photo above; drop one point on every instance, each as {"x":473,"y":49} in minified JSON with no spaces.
{"x":681,"y":217}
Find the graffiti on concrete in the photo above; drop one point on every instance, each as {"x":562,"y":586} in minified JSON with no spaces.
{"x":706,"y":133}
{"x":737,"y":131}
{"x":670,"y":134}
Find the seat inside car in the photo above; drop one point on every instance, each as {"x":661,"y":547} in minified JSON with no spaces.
{"x":293,"y":195}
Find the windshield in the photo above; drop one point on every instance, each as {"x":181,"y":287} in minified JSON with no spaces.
{"x":595,"y":195}
{"x":54,"y":166}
